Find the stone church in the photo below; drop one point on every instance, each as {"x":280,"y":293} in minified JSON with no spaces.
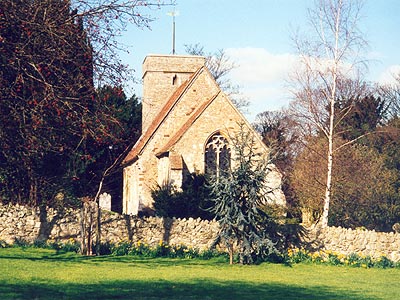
{"x":186,"y":124}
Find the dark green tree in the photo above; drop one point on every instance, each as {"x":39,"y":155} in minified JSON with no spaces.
{"x":103,"y":153}
{"x":239,"y":199}
{"x":360,"y":116}
{"x":271,"y":125}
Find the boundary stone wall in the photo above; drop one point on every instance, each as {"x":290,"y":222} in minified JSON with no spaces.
{"x":362,"y":242}
{"x":30,"y":224}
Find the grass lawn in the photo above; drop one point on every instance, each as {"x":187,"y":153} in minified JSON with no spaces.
{"x":45,"y":274}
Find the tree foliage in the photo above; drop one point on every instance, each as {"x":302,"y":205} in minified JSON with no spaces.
{"x":53,"y":123}
{"x":279,"y":134}
{"x":103,"y":154}
{"x":104,"y":22}
{"x":47,"y":94}
{"x":364,"y":192}
{"x":365,"y":188}
{"x":238,"y":200}
{"x":359,"y":116}
{"x":276,"y":130}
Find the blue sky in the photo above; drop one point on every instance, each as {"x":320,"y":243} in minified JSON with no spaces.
{"x":257,"y":36}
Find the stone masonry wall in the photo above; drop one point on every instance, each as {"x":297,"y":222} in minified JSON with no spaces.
{"x":362,"y":242}
{"x":30,"y":224}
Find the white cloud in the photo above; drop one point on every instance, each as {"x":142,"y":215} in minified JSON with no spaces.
{"x":257,"y":65}
{"x":262,"y":76}
{"x":389,"y":74}
{"x":266,"y":98}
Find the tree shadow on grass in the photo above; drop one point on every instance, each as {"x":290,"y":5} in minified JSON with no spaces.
{"x":162,"y":289}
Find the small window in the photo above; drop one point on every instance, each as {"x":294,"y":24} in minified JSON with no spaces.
{"x":174,"y":79}
{"x":217,"y":156}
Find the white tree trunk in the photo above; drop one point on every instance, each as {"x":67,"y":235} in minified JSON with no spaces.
{"x":331,"y":57}
{"x":328,"y":187}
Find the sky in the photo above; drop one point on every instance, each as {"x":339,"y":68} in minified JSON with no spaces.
{"x":257,"y":36}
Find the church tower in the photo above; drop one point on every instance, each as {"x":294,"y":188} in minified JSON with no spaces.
{"x":162,"y":75}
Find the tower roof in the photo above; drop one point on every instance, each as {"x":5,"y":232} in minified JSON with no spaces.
{"x":172,"y":63}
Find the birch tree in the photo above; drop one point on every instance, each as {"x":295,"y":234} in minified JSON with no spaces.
{"x":329,"y":57}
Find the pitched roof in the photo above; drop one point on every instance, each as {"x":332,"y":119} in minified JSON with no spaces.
{"x":145,"y":137}
{"x":177,"y":136}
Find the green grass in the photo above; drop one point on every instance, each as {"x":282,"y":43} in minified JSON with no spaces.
{"x":45,"y":274}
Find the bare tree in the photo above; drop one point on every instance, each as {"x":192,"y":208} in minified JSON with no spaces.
{"x":328,"y":58}
{"x":391,"y":94}
{"x":105,"y":21}
{"x":277,"y":132}
{"x":220,"y":65}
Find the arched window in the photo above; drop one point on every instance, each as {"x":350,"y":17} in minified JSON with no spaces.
{"x":217,"y":156}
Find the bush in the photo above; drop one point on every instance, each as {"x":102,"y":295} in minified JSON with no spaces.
{"x":41,"y":244}
{"x":161,"y":250}
{"x":333,"y":258}
{"x":192,"y":201}
{"x":106,"y":248}
{"x":384,"y":263}
{"x":19,"y":242}
{"x":70,"y":246}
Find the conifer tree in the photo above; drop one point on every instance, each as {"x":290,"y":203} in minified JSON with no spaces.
{"x":239,"y":198}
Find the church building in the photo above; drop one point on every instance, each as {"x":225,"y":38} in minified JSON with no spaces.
{"x":186,"y":124}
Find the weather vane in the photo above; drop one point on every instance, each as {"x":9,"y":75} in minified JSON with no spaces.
{"x":173,"y":14}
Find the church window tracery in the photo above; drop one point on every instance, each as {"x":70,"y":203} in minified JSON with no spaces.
{"x":217,"y":156}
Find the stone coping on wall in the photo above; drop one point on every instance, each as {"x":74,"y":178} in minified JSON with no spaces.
{"x":359,"y":241}
{"x":30,"y":224}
